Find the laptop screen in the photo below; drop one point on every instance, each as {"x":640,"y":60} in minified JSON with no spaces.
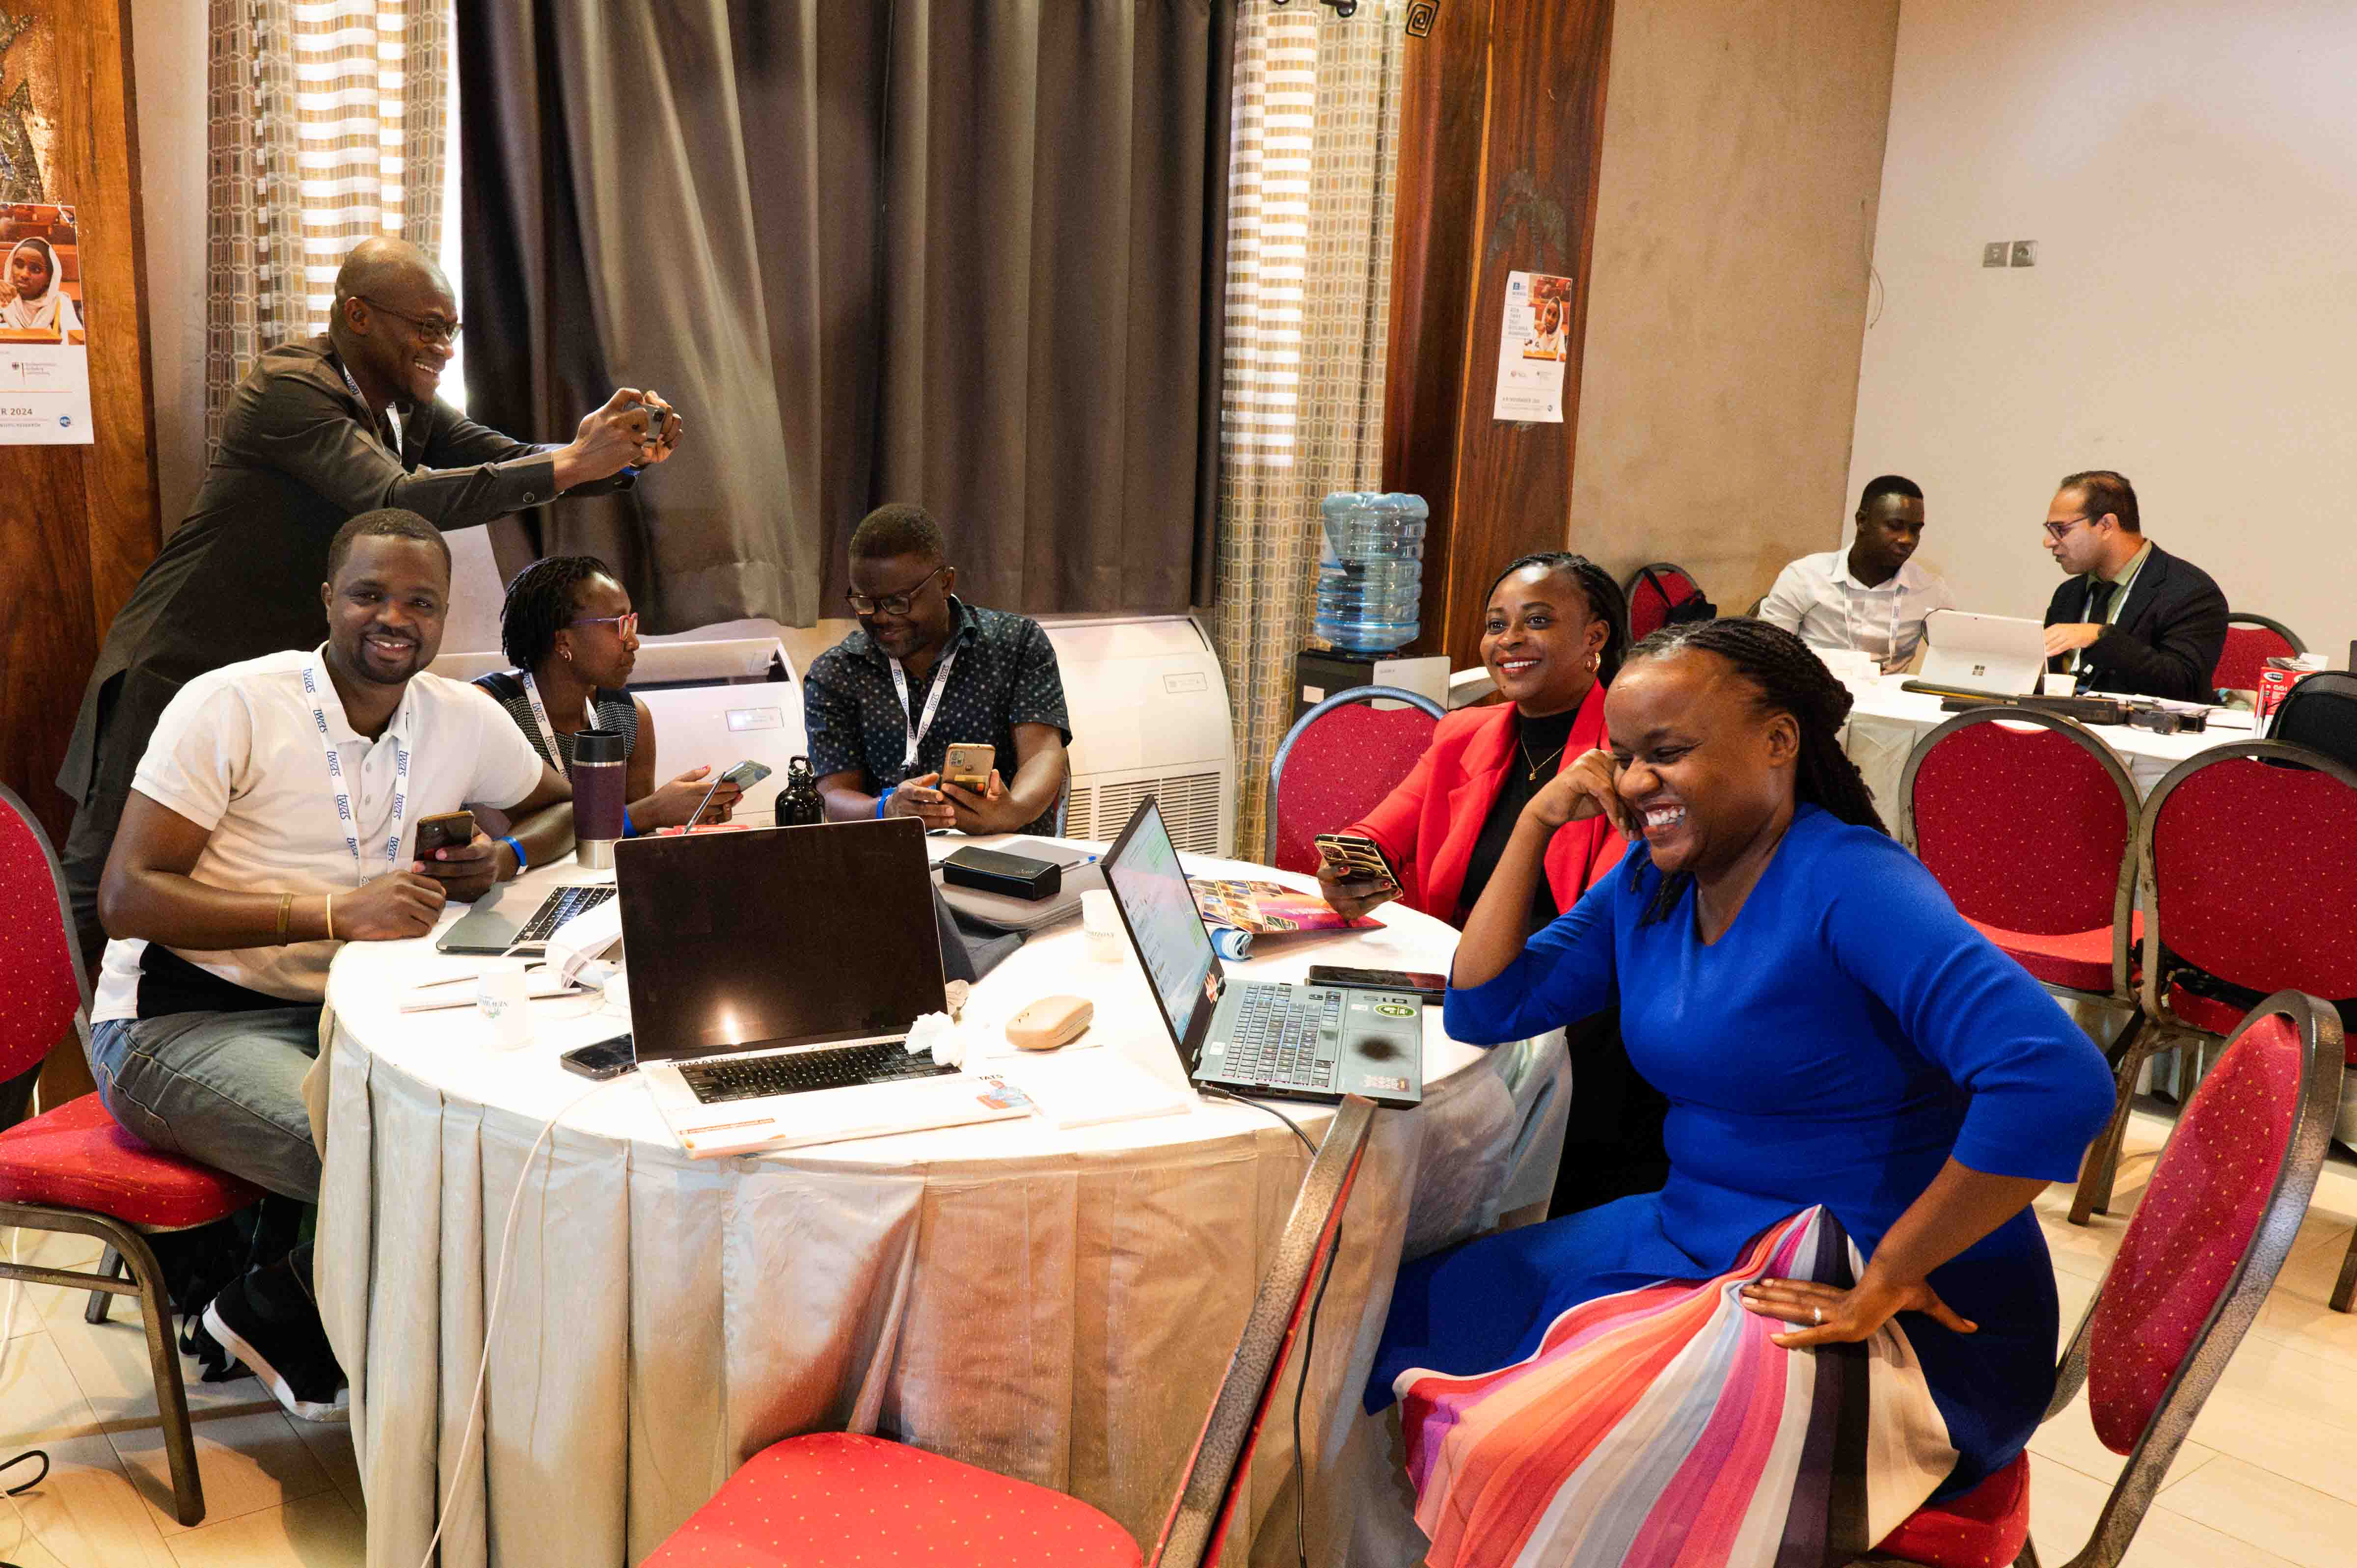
{"x":1143,"y":871}
{"x":777,"y":936}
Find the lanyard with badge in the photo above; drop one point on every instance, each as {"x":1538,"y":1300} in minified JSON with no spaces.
{"x":313,"y":679}
{"x":918,"y":727}
{"x":400,"y":442}
{"x":547,"y":730}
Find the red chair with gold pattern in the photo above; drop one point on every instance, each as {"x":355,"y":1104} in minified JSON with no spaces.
{"x":1654,"y":591}
{"x":2195,"y":1267}
{"x":2028,"y":821}
{"x":2251,"y":642}
{"x":72,"y":1170}
{"x":835,"y":1499}
{"x":1338,"y":762}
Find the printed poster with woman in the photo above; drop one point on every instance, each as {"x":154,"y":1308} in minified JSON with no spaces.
{"x":44,"y":347}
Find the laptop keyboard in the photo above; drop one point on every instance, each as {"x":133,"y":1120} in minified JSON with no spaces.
{"x":1286,"y":1038}
{"x":797,"y":1072}
{"x":562,"y":905}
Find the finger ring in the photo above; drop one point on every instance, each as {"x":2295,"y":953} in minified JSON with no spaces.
{"x":1818,"y":1312}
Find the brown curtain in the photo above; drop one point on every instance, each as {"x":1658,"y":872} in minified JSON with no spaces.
{"x":956,"y":252}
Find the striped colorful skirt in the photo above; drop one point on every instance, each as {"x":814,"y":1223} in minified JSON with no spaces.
{"x":1660,"y":1428}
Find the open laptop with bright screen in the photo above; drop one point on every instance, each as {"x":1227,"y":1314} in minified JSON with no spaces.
{"x":2000,"y":655}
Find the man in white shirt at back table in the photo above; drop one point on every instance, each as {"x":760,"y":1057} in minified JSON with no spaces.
{"x":273,"y":816}
{"x":1872,"y":597}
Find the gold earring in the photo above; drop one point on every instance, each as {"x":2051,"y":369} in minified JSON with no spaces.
{"x":1595,"y":660}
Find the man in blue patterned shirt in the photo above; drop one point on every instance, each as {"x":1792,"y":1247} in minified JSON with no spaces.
{"x":925,"y":671}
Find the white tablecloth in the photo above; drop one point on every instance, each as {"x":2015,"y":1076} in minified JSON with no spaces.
{"x":1056,"y":1306}
{"x":1885,"y":724}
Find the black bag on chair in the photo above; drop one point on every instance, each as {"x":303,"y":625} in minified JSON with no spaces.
{"x":2321,"y":713}
{"x":1697,"y":606}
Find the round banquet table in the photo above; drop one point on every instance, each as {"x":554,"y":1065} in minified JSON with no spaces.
{"x":1885,"y":724}
{"x":1058,"y":1306}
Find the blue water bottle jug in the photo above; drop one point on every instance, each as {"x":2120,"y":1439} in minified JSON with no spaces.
{"x":1371,"y":570}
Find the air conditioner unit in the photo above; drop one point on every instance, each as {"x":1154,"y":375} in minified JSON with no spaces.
{"x":1149,"y":712}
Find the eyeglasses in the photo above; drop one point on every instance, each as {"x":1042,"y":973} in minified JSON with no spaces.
{"x":433,"y":328}
{"x":624,"y":626}
{"x":2055,"y":530}
{"x":898,"y":604}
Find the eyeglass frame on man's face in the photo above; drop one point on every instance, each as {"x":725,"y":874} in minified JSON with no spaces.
{"x":2058,"y":531}
{"x":898,"y":604}
{"x":624,"y":624}
{"x":433,"y":328}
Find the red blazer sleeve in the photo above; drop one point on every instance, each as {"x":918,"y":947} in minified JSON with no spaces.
{"x":1394,"y":822}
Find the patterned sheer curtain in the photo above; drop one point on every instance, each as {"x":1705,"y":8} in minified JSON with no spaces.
{"x":1314,"y":171}
{"x":328,"y":126}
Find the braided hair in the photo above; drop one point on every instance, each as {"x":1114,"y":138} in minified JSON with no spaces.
{"x":539,"y":600}
{"x":1785,"y":677}
{"x":1605,"y":602}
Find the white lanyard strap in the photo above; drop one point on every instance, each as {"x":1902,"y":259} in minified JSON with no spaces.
{"x":400,"y":436}
{"x":547,"y":730}
{"x":312,"y":683}
{"x":918,"y":727}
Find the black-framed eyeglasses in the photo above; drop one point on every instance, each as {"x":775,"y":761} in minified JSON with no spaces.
{"x":433,"y":328}
{"x":898,"y":604}
{"x":623,"y":625}
{"x":2056,"y":531}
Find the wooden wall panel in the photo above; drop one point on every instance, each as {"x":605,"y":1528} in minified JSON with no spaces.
{"x":81,"y":521}
{"x":1501,"y":145}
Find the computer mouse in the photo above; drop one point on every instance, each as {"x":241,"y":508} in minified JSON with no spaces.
{"x":1052,"y":1021}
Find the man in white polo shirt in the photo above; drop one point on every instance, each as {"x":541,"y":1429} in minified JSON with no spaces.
{"x":273,"y":816}
{"x":1871,"y":597}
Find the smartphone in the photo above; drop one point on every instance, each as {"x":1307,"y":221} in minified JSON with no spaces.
{"x":967,"y":765}
{"x":1431,"y":987}
{"x":745,"y":774}
{"x":450,"y":830}
{"x":606,"y":1059}
{"x":1358,"y":858}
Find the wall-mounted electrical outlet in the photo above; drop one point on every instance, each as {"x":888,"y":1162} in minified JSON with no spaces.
{"x":2025,"y":252}
{"x":1992,"y":253}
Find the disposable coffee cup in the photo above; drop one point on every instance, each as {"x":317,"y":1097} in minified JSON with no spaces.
{"x":503,"y":998}
{"x":1102,"y":921}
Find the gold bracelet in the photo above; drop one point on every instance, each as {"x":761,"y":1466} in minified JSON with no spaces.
{"x":331,"y":917}
{"x":286,"y":903}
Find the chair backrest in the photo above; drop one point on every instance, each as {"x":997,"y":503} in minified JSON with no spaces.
{"x":1337,"y":762}
{"x":2027,"y":821}
{"x":37,"y":953}
{"x":2320,"y":712}
{"x":2250,"y":870}
{"x":1653,"y":590}
{"x":2203,"y":1247}
{"x":1206,"y":1504}
{"x":2251,"y":642}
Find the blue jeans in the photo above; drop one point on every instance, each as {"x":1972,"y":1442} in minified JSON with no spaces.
{"x":225,"y":1089}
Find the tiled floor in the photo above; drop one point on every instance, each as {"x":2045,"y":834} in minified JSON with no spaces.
{"x":2269,"y":1479}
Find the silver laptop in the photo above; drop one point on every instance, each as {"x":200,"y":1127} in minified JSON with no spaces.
{"x":1257,"y":1037}
{"x":501,"y":922}
{"x":1996,"y":656}
{"x":774,"y":977}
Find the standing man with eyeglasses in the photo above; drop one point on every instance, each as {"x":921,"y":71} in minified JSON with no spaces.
{"x":318,"y":433}
{"x":2130,"y":619}
{"x":925,"y":671}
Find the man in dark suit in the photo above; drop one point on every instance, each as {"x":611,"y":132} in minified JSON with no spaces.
{"x":2131,"y":617}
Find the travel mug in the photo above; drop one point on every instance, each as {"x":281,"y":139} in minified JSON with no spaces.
{"x":600,"y":770}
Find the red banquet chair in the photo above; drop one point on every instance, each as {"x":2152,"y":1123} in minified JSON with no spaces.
{"x":1652,"y":591}
{"x":72,"y":1170}
{"x":2251,"y":642}
{"x":1338,"y":762}
{"x":2028,"y":821}
{"x":2195,"y":1267}
{"x":836,"y":1500}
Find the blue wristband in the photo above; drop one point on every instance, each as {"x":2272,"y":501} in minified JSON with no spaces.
{"x":629,"y":828}
{"x":880,"y":800}
{"x":523,"y":863}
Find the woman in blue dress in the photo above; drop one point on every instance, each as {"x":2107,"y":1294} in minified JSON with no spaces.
{"x":1864,"y":1095}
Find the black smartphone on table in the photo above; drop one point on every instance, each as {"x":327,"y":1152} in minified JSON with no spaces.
{"x":1431,"y":987}
{"x":603,"y":1059}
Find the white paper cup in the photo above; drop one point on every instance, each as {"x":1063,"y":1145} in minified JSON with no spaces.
{"x":1103,"y":923}
{"x":2057,"y":682}
{"x":505,"y":1003}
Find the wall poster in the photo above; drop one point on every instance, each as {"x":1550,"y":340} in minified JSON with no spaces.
{"x":44,"y":335}
{"x":1533,"y":344}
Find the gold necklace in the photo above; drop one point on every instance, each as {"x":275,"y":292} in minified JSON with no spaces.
{"x":1542,"y":761}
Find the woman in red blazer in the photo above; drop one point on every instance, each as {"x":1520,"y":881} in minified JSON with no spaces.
{"x":1555,"y":632}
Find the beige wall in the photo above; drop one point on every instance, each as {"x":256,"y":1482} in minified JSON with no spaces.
{"x":1729,"y":286}
{"x":2190,"y":174}
{"x":167,"y":61}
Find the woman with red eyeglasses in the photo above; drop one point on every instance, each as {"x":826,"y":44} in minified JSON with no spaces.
{"x":569,"y":628}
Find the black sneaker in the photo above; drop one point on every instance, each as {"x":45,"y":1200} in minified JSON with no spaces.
{"x":268,"y":1320}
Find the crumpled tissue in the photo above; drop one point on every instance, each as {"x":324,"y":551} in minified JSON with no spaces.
{"x":936,"y":1033}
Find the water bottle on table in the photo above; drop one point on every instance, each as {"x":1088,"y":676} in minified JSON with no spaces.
{"x":1371,"y":570}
